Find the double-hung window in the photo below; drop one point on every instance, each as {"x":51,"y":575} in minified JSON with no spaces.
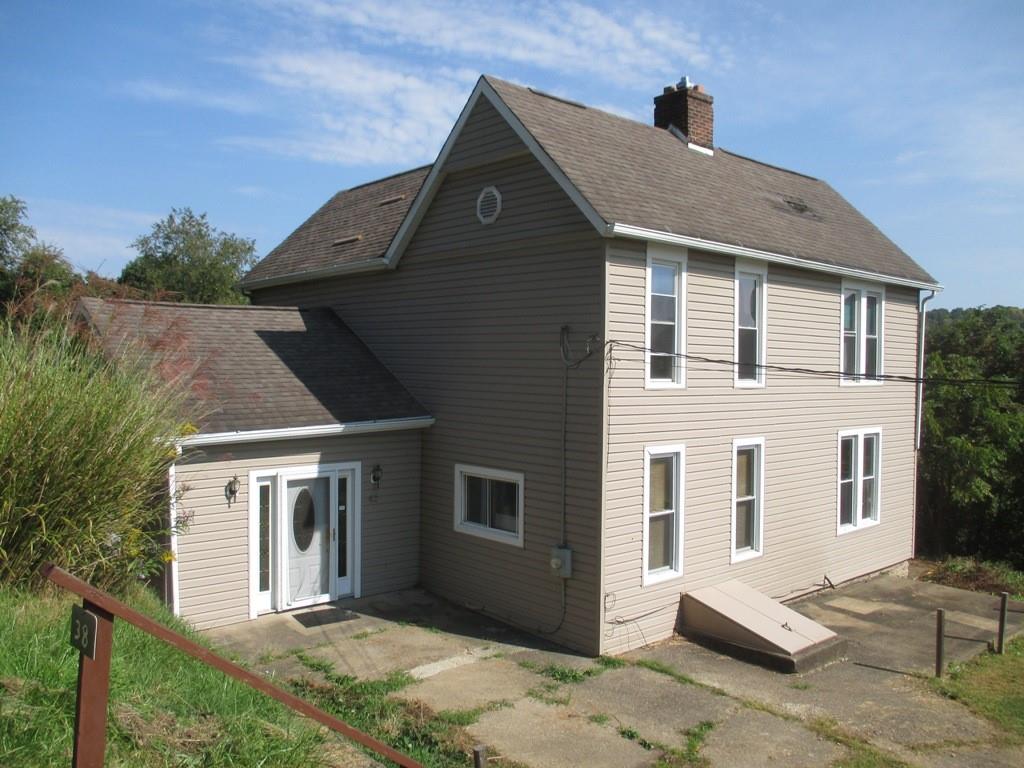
{"x":747,"y":498}
{"x":861,"y":353}
{"x":489,"y":503}
{"x":666,"y":317}
{"x":663,"y":513}
{"x":860,"y":474}
{"x":749,"y":346}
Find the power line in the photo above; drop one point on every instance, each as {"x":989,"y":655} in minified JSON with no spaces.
{"x":819,"y":373}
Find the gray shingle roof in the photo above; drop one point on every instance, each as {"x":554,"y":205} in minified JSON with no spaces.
{"x":356,"y":225}
{"x":251,"y":368}
{"x":630,"y":173}
{"x":636,"y":174}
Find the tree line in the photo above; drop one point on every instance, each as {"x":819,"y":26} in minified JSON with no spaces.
{"x":971,"y":468}
{"x":182,"y":258}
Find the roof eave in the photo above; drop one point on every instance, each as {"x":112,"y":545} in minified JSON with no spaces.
{"x":295,"y":433}
{"x":652,"y":235}
{"x":369,"y":265}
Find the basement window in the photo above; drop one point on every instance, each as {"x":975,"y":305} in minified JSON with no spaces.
{"x":489,"y":503}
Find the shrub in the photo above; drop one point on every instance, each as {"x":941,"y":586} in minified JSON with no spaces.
{"x":84,"y":454}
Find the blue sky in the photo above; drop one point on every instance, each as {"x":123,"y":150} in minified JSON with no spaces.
{"x":111,"y":113}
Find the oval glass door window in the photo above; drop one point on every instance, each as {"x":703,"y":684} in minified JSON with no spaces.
{"x":303,"y":520}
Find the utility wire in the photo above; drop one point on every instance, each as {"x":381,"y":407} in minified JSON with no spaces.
{"x":611,"y":344}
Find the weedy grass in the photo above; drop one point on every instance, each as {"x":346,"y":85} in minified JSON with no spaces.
{"x":992,"y":686}
{"x":84,"y":454}
{"x":165,"y":708}
{"x":978,"y":576}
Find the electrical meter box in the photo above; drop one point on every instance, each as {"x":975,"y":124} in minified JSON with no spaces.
{"x":561,"y":562}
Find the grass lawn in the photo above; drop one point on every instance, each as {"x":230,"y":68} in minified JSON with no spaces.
{"x":992,"y":686}
{"x":166,"y":708}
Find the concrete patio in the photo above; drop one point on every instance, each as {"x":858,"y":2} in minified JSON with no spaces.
{"x":532,"y":712}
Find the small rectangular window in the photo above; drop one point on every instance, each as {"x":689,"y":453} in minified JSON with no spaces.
{"x":663,"y":513}
{"x":859,"y":478}
{"x":748,"y":489}
{"x":264,"y":536}
{"x":861,"y":354}
{"x":750,"y":313}
{"x":666,"y":299}
{"x":489,"y":503}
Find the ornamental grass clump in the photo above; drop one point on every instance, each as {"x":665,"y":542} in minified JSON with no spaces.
{"x":85,"y":446}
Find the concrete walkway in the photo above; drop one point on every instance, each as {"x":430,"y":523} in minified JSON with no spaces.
{"x":541,"y":707}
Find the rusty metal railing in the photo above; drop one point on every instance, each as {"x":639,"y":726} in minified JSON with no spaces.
{"x":92,"y":631}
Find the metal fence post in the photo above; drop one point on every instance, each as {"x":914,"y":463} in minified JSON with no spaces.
{"x":1001,"y":637}
{"x":93,"y":694}
{"x":940,"y":642}
{"x":480,"y":756}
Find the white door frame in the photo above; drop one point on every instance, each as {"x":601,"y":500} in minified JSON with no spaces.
{"x":279,"y":529}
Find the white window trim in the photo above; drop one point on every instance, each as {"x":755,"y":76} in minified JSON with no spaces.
{"x":864,"y":289}
{"x":760,"y":269}
{"x":483,"y":531}
{"x":677,"y":257}
{"x":676,"y":571}
{"x":747,"y":554}
{"x":858,"y":476}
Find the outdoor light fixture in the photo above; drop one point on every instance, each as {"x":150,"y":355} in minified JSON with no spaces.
{"x":376,"y":474}
{"x":231,"y":489}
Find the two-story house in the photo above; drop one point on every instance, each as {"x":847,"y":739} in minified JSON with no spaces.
{"x":575,"y":368}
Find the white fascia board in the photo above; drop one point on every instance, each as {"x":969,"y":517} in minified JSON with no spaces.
{"x":653,"y":235}
{"x":294,"y":433}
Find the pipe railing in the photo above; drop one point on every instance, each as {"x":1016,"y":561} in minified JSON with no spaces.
{"x":93,"y":635}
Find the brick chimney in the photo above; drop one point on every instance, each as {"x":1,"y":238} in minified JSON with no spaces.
{"x":689,"y":109}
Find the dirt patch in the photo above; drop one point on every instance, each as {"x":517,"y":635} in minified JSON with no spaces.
{"x":971,"y":575}
{"x":164,"y":728}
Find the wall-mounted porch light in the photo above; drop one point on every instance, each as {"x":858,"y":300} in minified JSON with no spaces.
{"x":376,"y":475}
{"x":231,"y":489}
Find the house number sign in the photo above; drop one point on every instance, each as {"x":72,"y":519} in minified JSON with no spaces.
{"x":83,"y":631}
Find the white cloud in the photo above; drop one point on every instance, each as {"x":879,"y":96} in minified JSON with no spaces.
{"x":359,"y":109}
{"x":151,"y":90}
{"x":93,"y":237}
{"x":567,"y":37}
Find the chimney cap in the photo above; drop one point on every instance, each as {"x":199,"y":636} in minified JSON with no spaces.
{"x":685,"y":82}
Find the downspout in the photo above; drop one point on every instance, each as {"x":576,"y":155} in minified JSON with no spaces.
{"x":921,"y":323}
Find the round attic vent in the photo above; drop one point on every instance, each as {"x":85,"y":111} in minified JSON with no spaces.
{"x":488,"y":205}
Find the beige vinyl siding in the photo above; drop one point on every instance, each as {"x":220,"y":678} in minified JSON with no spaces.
{"x":798,"y":416}
{"x":213,"y":553}
{"x":469,"y":322}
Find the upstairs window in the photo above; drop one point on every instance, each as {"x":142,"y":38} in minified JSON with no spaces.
{"x":666,"y":316}
{"x":750,"y":320}
{"x":860,"y":453}
{"x":861,"y":355}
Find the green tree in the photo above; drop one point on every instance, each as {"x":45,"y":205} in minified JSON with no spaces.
{"x":16,"y":237}
{"x":972,"y":459}
{"x":185,"y":257}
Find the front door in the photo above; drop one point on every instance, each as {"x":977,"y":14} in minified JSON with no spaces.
{"x":303,"y":536}
{"x":307,"y":531}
